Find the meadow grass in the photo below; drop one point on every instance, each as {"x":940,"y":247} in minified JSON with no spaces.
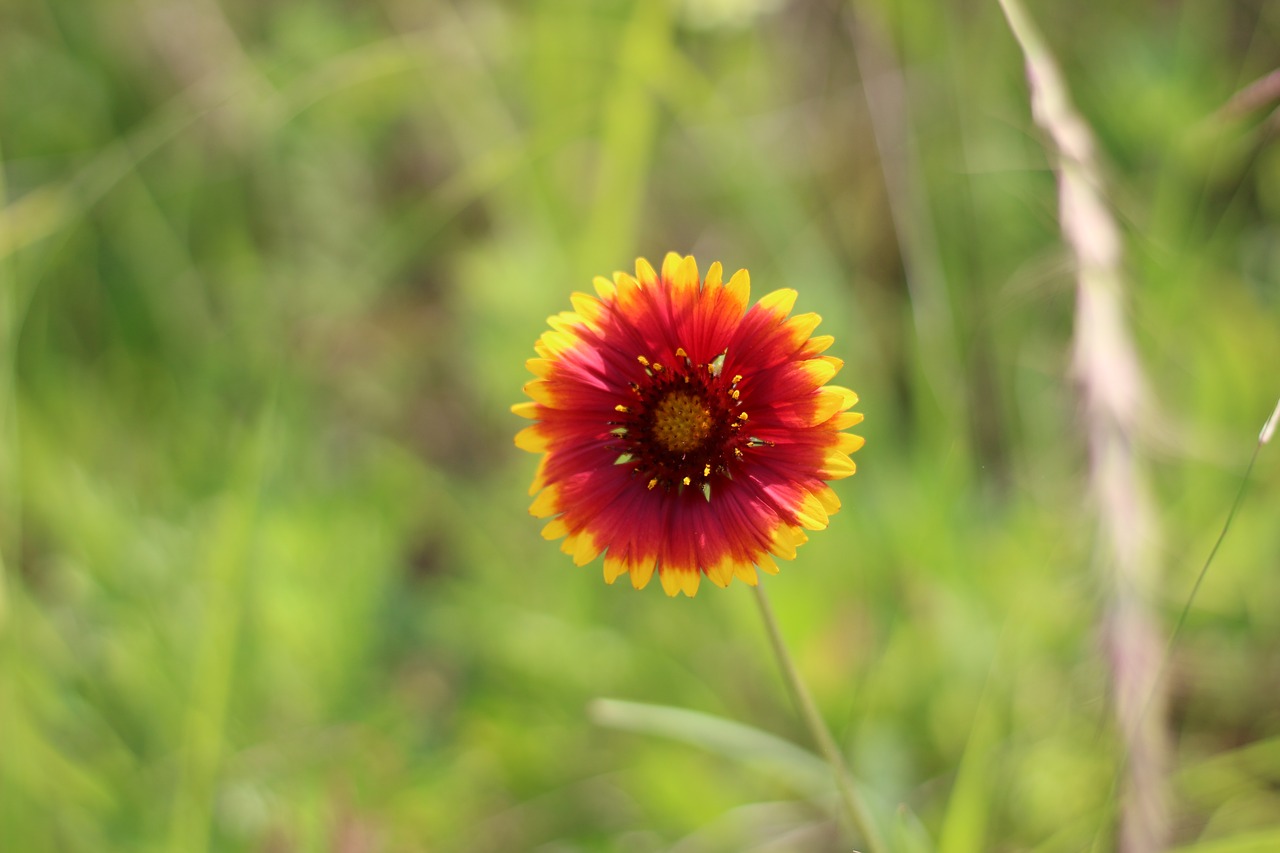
{"x":268,"y":277}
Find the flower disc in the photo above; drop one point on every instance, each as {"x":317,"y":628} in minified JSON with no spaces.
{"x":684,"y":432}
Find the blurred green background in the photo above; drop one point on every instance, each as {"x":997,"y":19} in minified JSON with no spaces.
{"x":268,"y":276}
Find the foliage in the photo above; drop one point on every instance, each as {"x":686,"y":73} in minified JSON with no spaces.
{"x":268,"y":275}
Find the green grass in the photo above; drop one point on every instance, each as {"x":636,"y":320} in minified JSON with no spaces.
{"x":268,"y":276}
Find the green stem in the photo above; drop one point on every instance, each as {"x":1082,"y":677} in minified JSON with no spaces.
{"x":855,"y":808}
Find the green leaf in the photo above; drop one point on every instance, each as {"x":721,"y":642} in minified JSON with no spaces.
{"x":796,"y":767}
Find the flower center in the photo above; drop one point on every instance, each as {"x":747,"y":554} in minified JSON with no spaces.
{"x":682,"y":427}
{"x":681,"y":422}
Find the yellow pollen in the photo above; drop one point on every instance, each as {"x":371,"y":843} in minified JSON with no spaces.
{"x":621,"y":408}
{"x":653,"y":483}
{"x":682,"y":422}
{"x":644,"y":361}
{"x":687,"y":481}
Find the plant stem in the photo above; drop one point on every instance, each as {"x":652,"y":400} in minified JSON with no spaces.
{"x":856,"y":809}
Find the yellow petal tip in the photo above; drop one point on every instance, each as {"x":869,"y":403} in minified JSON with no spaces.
{"x":714,"y":274}
{"x":686,"y":274}
{"x":642,"y":572}
{"x":614,"y":568}
{"x":739,"y":288}
{"x":644,"y":272}
{"x":546,"y":504}
{"x":837,"y":465}
{"x":531,"y":439}
{"x":555,"y":529}
{"x":811,"y":514}
{"x":540,"y":391}
{"x":847,"y":442}
{"x":779,"y":302}
{"x":604,"y":288}
{"x":721,"y":574}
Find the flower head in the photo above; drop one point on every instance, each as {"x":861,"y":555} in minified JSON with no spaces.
{"x":682,"y":431}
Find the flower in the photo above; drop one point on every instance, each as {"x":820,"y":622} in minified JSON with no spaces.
{"x":683,"y":432}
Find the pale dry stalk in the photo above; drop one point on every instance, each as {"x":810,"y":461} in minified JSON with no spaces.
{"x":1113,"y":396}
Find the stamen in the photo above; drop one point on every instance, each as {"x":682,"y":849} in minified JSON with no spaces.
{"x":653,"y":483}
{"x":622,"y":408}
{"x":686,"y":481}
{"x":642,"y":360}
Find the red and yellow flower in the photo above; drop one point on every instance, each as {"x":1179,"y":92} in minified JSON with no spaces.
{"x":682,"y":431}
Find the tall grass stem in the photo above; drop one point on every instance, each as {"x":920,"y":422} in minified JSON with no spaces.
{"x":1263,"y":437}
{"x":10,"y":455}
{"x":1113,"y":399}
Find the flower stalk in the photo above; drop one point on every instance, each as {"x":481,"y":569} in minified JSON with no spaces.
{"x":856,"y":810}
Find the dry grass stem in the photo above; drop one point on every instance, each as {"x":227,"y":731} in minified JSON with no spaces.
{"x":1269,"y":428}
{"x":1112,"y":396}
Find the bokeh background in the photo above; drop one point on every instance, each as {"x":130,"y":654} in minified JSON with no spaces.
{"x":268,"y":276}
